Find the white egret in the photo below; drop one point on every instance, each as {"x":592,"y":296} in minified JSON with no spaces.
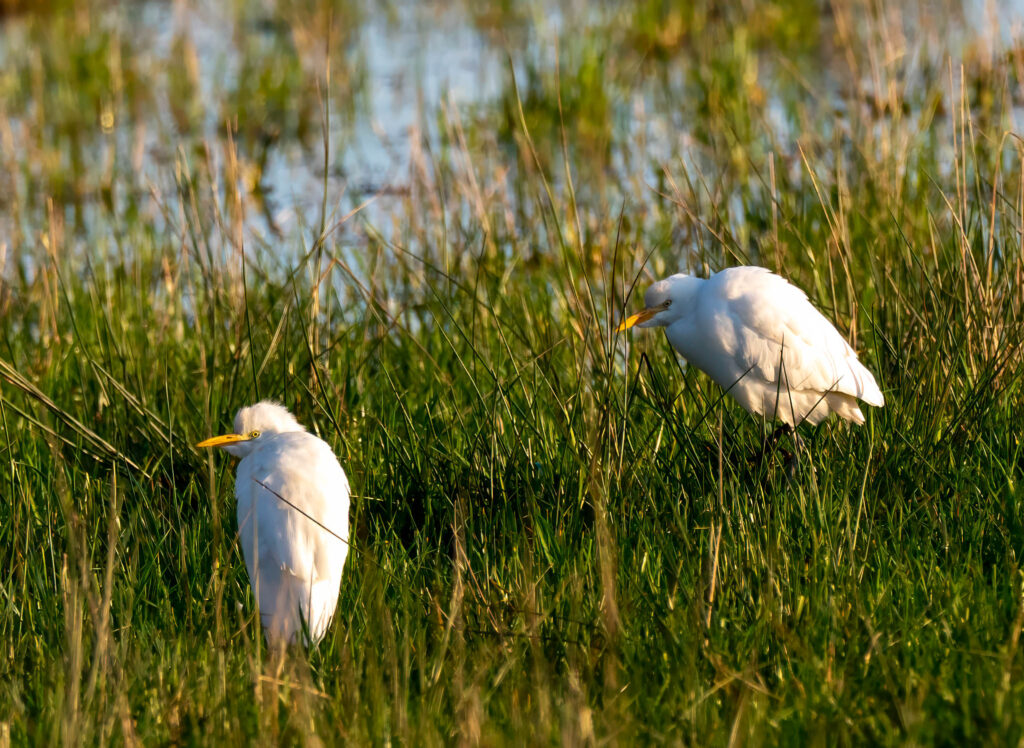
{"x":762,"y":341}
{"x":292,"y":519}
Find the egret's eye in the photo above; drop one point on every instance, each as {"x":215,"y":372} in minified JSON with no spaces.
{"x":253,"y":434}
{"x":668,"y":303}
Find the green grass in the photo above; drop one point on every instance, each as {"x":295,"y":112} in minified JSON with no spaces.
{"x":557,"y":533}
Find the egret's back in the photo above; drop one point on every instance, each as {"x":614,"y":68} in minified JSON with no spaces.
{"x":763,"y":342}
{"x":293,"y":500}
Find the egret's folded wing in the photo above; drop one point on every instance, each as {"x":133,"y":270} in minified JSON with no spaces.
{"x":777,"y":333}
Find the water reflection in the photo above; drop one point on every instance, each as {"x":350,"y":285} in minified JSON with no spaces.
{"x":135,"y":110}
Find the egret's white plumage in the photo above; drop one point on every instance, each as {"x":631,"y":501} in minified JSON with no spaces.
{"x":762,"y":341}
{"x":289,"y":487}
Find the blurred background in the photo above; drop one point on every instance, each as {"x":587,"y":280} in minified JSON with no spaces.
{"x":287,"y":110}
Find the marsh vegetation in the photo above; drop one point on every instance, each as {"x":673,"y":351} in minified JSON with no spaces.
{"x":417,"y":225}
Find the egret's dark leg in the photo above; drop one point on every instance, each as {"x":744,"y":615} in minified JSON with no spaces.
{"x":791,"y":460}
{"x":772,"y":441}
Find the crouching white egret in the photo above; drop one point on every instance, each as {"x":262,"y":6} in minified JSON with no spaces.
{"x":292,"y":519}
{"x":762,"y":341}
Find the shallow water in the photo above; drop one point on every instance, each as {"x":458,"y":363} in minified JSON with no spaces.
{"x":397,"y":71}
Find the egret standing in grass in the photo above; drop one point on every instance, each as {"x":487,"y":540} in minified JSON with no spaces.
{"x":760,"y":339}
{"x":292,"y":520}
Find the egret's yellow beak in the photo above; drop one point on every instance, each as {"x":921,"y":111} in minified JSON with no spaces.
{"x":637,"y":318}
{"x":216,"y":441}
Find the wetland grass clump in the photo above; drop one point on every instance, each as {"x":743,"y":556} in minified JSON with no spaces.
{"x":557,"y":536}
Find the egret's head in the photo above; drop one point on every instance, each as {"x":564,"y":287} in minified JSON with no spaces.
{"x":664,"y":303}
{"x":252,"y":424}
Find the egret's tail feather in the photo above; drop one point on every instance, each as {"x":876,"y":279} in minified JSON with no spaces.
{"x":866,"y":388}
{"x":845,"y":406}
